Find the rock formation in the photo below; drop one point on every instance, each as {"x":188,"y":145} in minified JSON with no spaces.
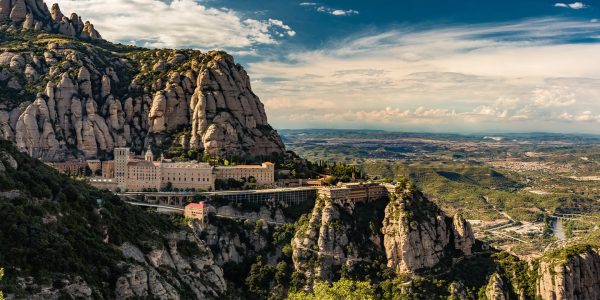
{"x":496,"y":290}
{"x":147,"y":278}
{"x":570,"y":273}
{"x":226,"y":114}
{"x":34,"y":15}
{"x":95,"y":99}
{"x":232,"y":246}
{"x":333,"y":237}
{"x":418,"y":235}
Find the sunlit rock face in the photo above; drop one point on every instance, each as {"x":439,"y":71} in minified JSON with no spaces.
{"x":574,"y":276}
{"x":418,"y":235}
{"x":80,"y":97}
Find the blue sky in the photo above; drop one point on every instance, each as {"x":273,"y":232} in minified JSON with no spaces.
{"x":431,"y":65}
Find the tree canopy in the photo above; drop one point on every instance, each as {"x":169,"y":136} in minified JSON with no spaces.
{"x":340,"y":290}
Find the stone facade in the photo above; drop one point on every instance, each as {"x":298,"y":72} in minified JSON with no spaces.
{"x":355,"y":192}
{"x":184,"y":175}
{"x":195,"y":211}
{"x":133,"y":173}
{"x":142,"y":175}
{"x":108,"y":169}
{"x":75,"y":168}
{"x":264,"y":174}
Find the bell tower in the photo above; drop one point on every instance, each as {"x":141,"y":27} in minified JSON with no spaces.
{"x":149,"y":156}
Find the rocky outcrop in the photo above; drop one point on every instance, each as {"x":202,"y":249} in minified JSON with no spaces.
{"x":34,"y":15}
{"x":226,"y":114}
{"x":76,"y":288}
{"x":7,"y":161}
{"x":164,"y":272}
{"x":173,"y":276}
{"x":418,"y":235}
{"x":572,"y":273}
{"x":94,"y":99}
{"x":496,"y":290}
{"x":233,"y":246}
{"x":333,"y":238}
{"x":463,"y":235}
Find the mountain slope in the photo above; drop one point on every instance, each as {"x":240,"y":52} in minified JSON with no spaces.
{"x":66,"y":93}
{"x":61,"y":237}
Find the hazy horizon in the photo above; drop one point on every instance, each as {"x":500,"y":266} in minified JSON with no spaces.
{"x":472,"y":133}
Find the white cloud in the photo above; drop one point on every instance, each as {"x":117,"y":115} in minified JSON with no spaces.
{"x":278,"y":24}
{"x":575,"y":5}
{"x":329,"y":10}
{"x":177,"y":24}
{"x":554,"y":97}
{"x":585,"y":116}
{"x":339,"y":12}
{"x":455,"y":78}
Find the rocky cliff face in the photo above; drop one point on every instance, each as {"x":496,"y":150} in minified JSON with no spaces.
{"x":496,"y":290}
{"x":418,"y":235}
{"x":337,"y":236}
{"x":572,"y":273}
{"x":62,"y":98}
{"x":162,"y":273}
{"x":233,"y":246}
{"x":166,"y":273}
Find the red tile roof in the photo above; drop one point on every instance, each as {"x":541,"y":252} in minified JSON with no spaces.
{"x":195,"y":205}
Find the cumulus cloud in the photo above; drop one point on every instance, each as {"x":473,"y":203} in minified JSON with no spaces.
{"x":177,"y":24}
{"x":575,"y":5}
{"x":586,"y":116}
{"x":329,"y":10}
{"x":517,"y":76}
{"x":554,"y":97}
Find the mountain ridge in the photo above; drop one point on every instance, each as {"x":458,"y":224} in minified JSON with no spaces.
{"x":67,"y":94}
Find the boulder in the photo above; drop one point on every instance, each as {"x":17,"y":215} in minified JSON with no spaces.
{"x":19,"y":11}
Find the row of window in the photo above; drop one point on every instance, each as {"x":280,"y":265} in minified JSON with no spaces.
{"x":185,"y":179}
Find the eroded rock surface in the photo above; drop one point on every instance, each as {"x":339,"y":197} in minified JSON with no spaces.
{"x":95,"y":98}
{"x":417,"y":233}
{"x":334,"y":237}
{"x":573,"y":276}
